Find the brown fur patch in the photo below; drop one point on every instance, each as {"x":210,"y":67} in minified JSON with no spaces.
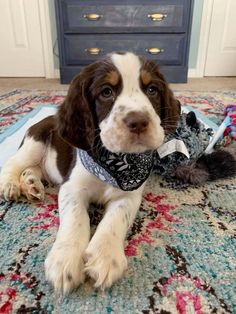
{"x":84,"y":108}
{"x":45,"y":131}
{"x":146,"y":77}
{"x":113,"y":78}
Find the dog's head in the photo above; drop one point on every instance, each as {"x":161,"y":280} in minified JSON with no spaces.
{"x":122,"y":101}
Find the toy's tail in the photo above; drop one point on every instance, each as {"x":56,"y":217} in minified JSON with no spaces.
{"x":217,"y":165}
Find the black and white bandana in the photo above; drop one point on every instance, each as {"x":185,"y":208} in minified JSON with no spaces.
{"x":130,"y":171}
{"x":125,"y":171}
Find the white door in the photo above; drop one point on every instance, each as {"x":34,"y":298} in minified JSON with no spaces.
{"x":21,"y":48}
{"x":221,"y":54}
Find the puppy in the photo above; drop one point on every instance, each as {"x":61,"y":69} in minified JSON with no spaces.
{"x":99,"y":148}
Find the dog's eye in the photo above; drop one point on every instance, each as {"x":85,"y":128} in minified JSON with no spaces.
{"x":152,"y":90}
{"x":107,"y":92}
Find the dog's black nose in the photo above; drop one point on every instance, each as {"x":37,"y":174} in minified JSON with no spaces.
{"x":137,"y":122}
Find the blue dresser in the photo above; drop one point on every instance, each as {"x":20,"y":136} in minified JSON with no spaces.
{"x":156,"y":29}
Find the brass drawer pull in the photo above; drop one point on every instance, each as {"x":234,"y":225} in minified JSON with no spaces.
{"x":154,"y":51}
{"x":92,"y":16}
{"x":157,"y":16}
{"x":93,"y":51}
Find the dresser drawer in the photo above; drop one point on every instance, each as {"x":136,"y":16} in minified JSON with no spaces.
{"x":124,"y":16}
{"x":89,"y":29}
{"x":165,"y":48}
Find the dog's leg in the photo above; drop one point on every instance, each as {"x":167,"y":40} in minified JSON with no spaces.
{"x":29,"y":154}
{"x":30,"y":183}
{"x":64,"y":265}
{"x":105,"y":258}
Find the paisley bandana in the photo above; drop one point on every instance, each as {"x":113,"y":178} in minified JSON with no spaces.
{"x":125,"y":171}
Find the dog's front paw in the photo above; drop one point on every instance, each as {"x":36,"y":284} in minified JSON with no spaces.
{"x":31,"y":186}
{"x":105,"y":261}
{"x":9,"y":188}
{"x":64,"y":267}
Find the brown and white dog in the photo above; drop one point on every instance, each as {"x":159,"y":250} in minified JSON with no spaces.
{"x":122,"y":102}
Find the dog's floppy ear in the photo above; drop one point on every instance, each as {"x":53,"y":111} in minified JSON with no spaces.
{"x":170,"y":107}
{"x":75,"y":121}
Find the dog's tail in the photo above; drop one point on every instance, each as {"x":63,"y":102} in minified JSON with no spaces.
{"x":218,"y":165}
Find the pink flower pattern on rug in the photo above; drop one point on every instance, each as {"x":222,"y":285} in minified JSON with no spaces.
{"x":47,"y":216}
{"x":158,"y":223}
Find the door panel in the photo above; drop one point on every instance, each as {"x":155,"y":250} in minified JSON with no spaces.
{"x":20,"y":39}
{"x":221,"y":55}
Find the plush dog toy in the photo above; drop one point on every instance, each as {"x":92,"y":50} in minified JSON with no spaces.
{"x":183,"y":157}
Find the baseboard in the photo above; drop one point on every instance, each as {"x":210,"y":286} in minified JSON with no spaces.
{"x":194,"y":73}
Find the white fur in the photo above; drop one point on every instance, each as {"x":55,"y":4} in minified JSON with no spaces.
{"x":73,"y":254}
{"x":50,"y":166}
{"x":103,"y":257}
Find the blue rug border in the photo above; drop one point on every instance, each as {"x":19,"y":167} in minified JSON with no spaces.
{"x":18,"y":124}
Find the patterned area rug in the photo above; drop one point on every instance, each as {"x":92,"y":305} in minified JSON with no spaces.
{"x":181,"y":248}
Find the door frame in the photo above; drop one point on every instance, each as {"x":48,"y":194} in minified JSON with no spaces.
{"x":46,"y":33}
{"x":199,"y":71}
